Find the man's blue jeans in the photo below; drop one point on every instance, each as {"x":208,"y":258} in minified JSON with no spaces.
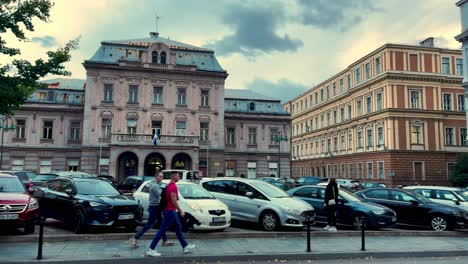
{"x":169,"y":218}
{"x":154,"y":215}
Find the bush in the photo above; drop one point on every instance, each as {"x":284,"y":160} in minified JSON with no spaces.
{"x":460,"y":175}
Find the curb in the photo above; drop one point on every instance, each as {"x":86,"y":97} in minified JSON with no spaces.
{"x":261,"y":257}
{"x":227,"y":235}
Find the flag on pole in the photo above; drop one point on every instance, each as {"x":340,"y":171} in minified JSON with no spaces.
{"x":155,"y":139}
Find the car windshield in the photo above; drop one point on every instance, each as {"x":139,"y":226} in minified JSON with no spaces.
{"x":463,"y":194}
{"x":45,"y":177}
{"x":193,"y":191}
{"x":270,"y":190}
{"x":11,"y":185}
{"x":348,"y":196}
{"x":95,"y":187}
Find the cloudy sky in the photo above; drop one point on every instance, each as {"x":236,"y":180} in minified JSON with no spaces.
{"x":276,"y":47}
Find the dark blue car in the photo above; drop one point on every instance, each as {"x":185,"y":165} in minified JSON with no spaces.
{"x":350,"y":208}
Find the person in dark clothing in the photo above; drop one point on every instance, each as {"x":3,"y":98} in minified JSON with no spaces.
{"x":331,"y":201}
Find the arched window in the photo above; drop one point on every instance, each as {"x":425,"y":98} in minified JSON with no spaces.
{"x":252,"y":106}
{"x":163,"y":57}
{"x":154,"y":57}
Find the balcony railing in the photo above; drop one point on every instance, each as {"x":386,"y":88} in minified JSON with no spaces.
{"x":139,"y":64}
{"x":147,"y":139}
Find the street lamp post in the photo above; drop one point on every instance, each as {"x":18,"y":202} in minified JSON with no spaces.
{"x":279,"y":138}
{"x":4,"y":126}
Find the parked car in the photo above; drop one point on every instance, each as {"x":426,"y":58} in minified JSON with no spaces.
{"x":41,"y":180}
{"x":108,"y":178}
{"x":84,"y":202}
{"x":309,"y":180}
{"x":17,"y":207}
{"x":257,"y":201}
{"x":25,"y":176}
{"x":350,"y":208}
{"x":193,"y":199}
{"x":282,"y":183}
{"x":414,"y":209}
{"x":185,"y":175}
{"x":130,"y":184}
{"x":350,"y":185}
{"x":369,"y":185}
{"x":443,"y":195}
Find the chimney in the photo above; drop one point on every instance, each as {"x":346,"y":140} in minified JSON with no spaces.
{"x":429,"y":42}
{"x":154,"y":34}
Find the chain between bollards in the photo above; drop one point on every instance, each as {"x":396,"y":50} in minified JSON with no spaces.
{"x":41,"y":237}
{"x":363,"y":234}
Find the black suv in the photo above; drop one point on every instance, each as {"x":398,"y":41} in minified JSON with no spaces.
{"x":41,"y":179}
{"x":130,"y":184}
{"x":84,"y":202}
{"x":414,"y":209}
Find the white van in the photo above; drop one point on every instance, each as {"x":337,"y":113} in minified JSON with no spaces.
{"x":185,"y":175}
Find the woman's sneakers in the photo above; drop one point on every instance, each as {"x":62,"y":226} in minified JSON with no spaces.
{"x":189,"y":248}
{"x":152,"y":253}
{"x":133,"y":242}
{"x":327,"y":227}
{"x":332,"y":229}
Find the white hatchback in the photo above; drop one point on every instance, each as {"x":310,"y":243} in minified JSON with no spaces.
{"x":211,"y":212}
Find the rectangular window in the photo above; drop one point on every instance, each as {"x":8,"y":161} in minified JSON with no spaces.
{"x":108,"y":89}
{"x":463,"y":137}
{"x":370,"y":137}
{"x":450,"y":169}
{"x":17,"y":164}
{"x":358,"y":75}
{"x":272,"y":169}
{"x":416,"y":134}
{"x":329,"y":145}
{"x":131,"y":126}
{"x":133,"y":94}
{"x":310,"y":100}
{"x":47,"y":132}
{"x":447,"y":102}
{"x":230,"y":168}
{"x":75,"y":127}
{"x":181,"y":127}
{"x":20,"y":128}
{"x":334,"y":88}
{"x":252,"y":136}
{"x":368,"y":104}
{"x":342,"y":114}
{"x":316,"y":98}
{"x":156,"y":127}
{"x":378,"y":65}
{"x":204,"y":98}
{"x":335,"y":170}
{"x":343,"y":170}
{"x":322,"y":121}
{"x":341,"y":85}
{"x":449,"y":139}
{"x":328,"y":92}
{"x":335,"y":116}
{"x":378,"y":101}
{"x":359,"y":107}
{"x":350,"y":114}
{"x":350,"y":170}
{"x":157,"y":95}
{"x":349,"y":81}
{"x":367,"y":71}
{"x":445,"y":65}
{"x":181,"y":98}
{"x":415,"y":99}
{"x":45,"y":166}
{"x":321,"y":95}
{"x":335,"y":144}
{"x":370,"y":170}
{"x":204,"y":129}
{"x":380,"y":137}
{"x":359,"y":139}
{"x":461,"y":103}
{"x":359,"y":172}
{"x":380,"y":168}
{"x":251,"y":170}
{"x":343,"y":142}
{"x":274,"y":134}
{"x":328,"y":119}
{"x":350,"y":141}
{"x":73,"y":164}
{"x":459,"y":67}
{"x":106,"y":128}
{"x":230,"y":133}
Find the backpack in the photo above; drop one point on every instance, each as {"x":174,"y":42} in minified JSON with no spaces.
{"x":163,"y":201}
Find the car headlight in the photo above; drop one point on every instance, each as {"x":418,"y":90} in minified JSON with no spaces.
{"x":456,"y":213}
{"x":33,"y":204}
{"x":195,"y":207}
{"x":378,"y":211}
{"x":291,"y":210}
{"x":96,"y":204}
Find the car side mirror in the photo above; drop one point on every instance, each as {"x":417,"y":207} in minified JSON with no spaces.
{"x":30,"y":190}
{"x":414,"y":202}
{"x":456,"y":201}
{"x":249,"y":194}
{"x":69,"y":192}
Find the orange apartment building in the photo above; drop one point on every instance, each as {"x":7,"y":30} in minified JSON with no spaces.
{"x":396,"y":116}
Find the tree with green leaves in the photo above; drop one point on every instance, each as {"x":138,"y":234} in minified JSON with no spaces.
{"x":18,"y":80}
{"x":460,"y":175}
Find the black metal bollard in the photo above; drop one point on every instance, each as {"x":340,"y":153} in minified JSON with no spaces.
{"x":308,"y":234}
{"x":41,"y":237}
{"x":363,"y":234}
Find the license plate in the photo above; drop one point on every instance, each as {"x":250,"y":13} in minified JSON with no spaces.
{"x":126,"y":216}
{"x":393,"y":219}
{"x":8,"y":216}
{"x":219,"y":219}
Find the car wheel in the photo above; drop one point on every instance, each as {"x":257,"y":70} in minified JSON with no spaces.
{"x":79,"y":222}
{"x":269,"y":221}
{"x":439,"y":223}
{"x":29,"y":228}
{"x":357,"y":221}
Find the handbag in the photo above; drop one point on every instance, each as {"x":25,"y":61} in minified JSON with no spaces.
{"x":332,"y":201}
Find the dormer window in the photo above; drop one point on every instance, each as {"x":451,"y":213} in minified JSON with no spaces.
{"x":163,"y":57}
{"x":252,"y":106}
{"x":154,"y":57}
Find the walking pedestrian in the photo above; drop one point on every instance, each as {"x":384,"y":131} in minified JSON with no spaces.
{"x":170,"y":216}
{"x":331,"y":201}
{"x":155,"y":212}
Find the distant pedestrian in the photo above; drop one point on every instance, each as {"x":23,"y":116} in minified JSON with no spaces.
{"x":170,"y":216}
{"x":155,"y":212}
{"x":331,"y":201}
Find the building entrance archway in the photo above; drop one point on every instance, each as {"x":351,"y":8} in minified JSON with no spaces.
{"x":181,"y":161}
{"x":127,"y":165}
{"x":154,"y":162}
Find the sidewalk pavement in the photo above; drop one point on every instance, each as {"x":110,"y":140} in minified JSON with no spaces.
{"x":237,"y":249}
